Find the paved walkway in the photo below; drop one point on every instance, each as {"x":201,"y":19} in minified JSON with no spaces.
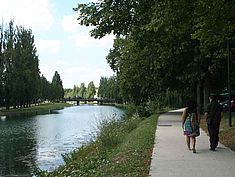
{"x":171,"y":158}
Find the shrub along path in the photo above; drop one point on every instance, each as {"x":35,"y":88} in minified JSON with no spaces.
{"x":171,"y":158}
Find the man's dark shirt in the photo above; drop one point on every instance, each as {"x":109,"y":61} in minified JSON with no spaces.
{"x":214,"y":110}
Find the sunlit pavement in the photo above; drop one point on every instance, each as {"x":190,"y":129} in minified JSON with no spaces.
{"x":171,"y":158}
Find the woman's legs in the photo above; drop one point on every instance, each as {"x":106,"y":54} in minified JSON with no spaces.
{"x":188,"y":142}
{"x":194,"y":144}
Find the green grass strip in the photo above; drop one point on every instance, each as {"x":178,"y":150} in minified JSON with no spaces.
{"x":34,"y":109}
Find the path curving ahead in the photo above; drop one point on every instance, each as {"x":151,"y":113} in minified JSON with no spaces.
{"x":171,"y":158}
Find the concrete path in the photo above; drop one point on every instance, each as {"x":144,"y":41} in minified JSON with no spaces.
{"x":171,"y":158}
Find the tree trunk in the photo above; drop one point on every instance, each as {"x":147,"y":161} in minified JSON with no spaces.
{"x":205,"y":95}
{"x":199,"y":96}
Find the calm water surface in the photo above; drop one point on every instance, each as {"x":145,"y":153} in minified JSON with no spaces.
{"x":42,"y":139}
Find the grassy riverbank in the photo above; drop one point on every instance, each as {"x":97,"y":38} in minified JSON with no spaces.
{"x":38,"y":109}
{"x":227,"y":134}
{"x":122,"y":148}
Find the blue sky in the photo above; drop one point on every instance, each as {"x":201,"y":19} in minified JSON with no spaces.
{"x":62,"y":44}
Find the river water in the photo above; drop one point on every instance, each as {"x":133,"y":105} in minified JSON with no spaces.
{"x":41,"y":139}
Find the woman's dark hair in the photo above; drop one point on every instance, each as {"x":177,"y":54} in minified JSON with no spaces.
{"x":192,"y":105}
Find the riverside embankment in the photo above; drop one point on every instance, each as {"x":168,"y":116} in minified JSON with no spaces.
{"x":122,"y":148}
{"x":33,"y":110}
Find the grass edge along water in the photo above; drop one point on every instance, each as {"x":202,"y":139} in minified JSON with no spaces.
{"x":122,"y":148}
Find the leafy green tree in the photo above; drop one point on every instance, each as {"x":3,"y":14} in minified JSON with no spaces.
{"x":108,"y":16}
{"x":2,"y":96}
{"x":57,"y":87}
{"x":135,"y":69}
{"x":8,"y":47}
{"x":27,"y":81}
{"x":82,"y":90}
{"x":109,"y":88}
{"x":72,"y":92}
{"x":20,"y":81}
{"x":130,"y":76}
{"x":101,"y":89}
{"x":215,"y":25}
{"x":75,"y":91}
{"x":68,"y":93}
{"x":45,"y":89}
{"x":91,"y":91}
{"x":20,"y":74}
{"x":159,"y":47}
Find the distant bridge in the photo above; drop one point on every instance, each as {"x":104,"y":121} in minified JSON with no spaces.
{"x":85,"y":100}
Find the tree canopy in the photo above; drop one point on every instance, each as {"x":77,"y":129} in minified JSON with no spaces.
{"x":57,"y":87}
{"x":91,"y":90}
{"x":20,"y":80}
{"x":164,"y":46}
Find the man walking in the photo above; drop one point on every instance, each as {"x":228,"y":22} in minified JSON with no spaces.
{"x":213,"y":114}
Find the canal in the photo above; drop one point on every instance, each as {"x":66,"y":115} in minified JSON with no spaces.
{"x":41,"y":139}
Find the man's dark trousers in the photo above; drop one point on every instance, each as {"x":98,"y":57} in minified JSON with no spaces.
{"x":214,"y":135}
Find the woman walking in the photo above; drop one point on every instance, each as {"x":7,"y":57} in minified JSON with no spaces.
{"x":190,"y":123}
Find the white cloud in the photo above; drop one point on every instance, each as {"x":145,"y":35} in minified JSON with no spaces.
{"x":76,"y":70}
{"x":70,"y":23}
{"x":95,"y":0}
{"x":47,"y":71}
{"x":71,"y":75}
{"x":35,"y":14}
{"x":84,"y":40}
{"x":61,"y":62}
{"x":81,"y":74}
{"x":81,"y":34}
{"x":51,"y":46}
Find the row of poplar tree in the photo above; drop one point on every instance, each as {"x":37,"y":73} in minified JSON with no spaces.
{"x":81,"y":91}
{"x":20,"y":82}
{"x":176,"y":47}
{"x":108,"y":88}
